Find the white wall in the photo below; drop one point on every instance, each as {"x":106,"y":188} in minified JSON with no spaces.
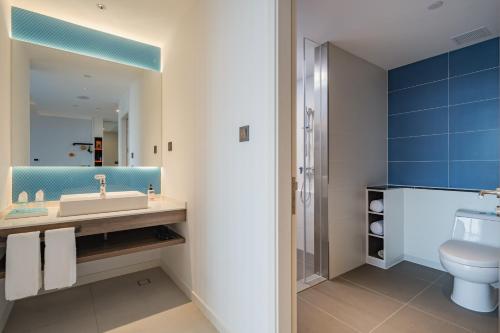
{"x":357,"y":152}
{"x":429,"y":217}
{"x":52,"y":140}
{"x":20,"y":104}
{"x":5,"y":122}
{"x":145,"y":114}
{"x":110,"y":148}
{"x":217,"y":79}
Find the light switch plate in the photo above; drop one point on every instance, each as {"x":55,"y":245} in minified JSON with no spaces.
{"x":244,"y":133}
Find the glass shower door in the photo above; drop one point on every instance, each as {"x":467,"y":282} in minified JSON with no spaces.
{"x":312,"y":158}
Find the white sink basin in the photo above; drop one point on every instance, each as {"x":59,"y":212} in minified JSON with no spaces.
{"x":93,"y":203}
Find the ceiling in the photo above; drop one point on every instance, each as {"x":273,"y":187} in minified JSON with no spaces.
{"x":392,"y":33}
{"x":147,"y":21}
{"x":70,"y":85}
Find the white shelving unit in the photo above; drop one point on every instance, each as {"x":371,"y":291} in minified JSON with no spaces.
{"x":392,"y":241}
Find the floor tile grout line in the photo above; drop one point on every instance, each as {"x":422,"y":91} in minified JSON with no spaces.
{"x":372,"y":290}
{"x":329,"y":314}
{"x":93,"y":308}
{"x":434,"y":283}
{"x":380,"y":293}
{"x":430,"y":284}
{"x":440,"y":318}
{"x":388,"y":318}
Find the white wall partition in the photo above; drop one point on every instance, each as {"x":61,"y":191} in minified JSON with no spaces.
{"x":429,"y":217}
{"x":5,"y":187}
{"x":218,"y":79}
{"x":5,"y":173}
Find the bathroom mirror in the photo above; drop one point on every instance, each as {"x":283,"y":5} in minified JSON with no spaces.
{"x":73,"y":110}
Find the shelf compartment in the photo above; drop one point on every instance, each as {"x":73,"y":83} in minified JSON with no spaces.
{"x":375,"y":244}
{"x":95,"y":247}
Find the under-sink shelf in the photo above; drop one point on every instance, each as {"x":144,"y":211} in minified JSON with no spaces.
{"x":96,"y":247}
{"x":90,"y":248}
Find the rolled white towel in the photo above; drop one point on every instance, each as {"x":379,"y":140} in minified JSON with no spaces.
{"x":377,"y":227}
{"x":377,"y":206}
{"x":381,"y":254}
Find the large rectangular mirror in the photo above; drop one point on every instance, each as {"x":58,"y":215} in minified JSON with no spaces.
{"x":74,"y":110}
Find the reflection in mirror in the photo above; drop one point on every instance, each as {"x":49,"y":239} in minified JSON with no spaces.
{"x":73,"y":110}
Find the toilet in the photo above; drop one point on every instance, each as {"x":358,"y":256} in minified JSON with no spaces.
{"x":472,"y":257}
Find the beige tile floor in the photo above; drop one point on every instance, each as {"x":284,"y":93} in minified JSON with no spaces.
{"x":408,"y":298}
{"x":116,"y":305}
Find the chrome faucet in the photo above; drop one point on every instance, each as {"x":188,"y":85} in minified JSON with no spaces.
{"x":102,"y":184}
{"x":492,"y":192}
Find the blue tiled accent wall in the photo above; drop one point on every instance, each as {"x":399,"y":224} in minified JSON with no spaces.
{"x":47,"y":31}
{"x":55,"y":181}
{"x":444,"y":120}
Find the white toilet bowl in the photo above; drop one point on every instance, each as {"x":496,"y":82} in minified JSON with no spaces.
{"x":472,"y":258}
{"x":472,"y":283}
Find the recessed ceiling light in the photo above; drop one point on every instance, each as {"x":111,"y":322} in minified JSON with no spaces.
{"x":435,"y":5}
{"x":117,"y":110}
{"x":97,"y":109}
{"x":101,"y":6}
{"x":83,"y":97}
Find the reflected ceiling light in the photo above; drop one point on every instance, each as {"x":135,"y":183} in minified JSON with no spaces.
{"x":435,"y":5}
{"x":117,"y":110}
{"x":101,"y":6}
{"x":75,"y":105}
{"x":83,"y":97}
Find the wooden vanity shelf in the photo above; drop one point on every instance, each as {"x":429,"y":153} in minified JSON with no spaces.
{"x":90,"y":248}
{"x":95,"y":247}
{"x":109,"y":234}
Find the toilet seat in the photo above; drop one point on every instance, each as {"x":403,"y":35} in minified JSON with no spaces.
{"x":470,"y":254}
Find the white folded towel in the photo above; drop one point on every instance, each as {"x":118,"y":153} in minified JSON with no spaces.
{"x":377,"y":206}
{"x":23,"y":277}
{"x":377,"y":227}
{"x":60,"y":258}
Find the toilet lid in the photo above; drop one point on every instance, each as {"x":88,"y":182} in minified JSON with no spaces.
{"x":470,"y":254}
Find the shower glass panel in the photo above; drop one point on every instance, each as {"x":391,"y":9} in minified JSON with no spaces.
{"x":312,"y":166}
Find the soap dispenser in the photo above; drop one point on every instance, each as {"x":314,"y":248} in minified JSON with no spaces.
{"x":151,"y":192}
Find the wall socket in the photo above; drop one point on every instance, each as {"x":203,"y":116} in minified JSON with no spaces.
{"x":244,"y":133}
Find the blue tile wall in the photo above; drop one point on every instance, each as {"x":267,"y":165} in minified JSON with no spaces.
{"x":43,"y":30}
{"x":55,"y":181}
{"x":444,"y":120}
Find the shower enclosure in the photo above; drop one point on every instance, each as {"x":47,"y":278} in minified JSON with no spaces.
{"x":312,"y":166}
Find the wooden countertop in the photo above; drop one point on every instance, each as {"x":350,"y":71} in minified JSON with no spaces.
{"x":161,"y":211}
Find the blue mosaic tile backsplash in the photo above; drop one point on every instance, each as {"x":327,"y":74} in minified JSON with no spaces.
{"x":55,"y":181}
{"x":47,"y":31}
{"x":444,"y":120}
